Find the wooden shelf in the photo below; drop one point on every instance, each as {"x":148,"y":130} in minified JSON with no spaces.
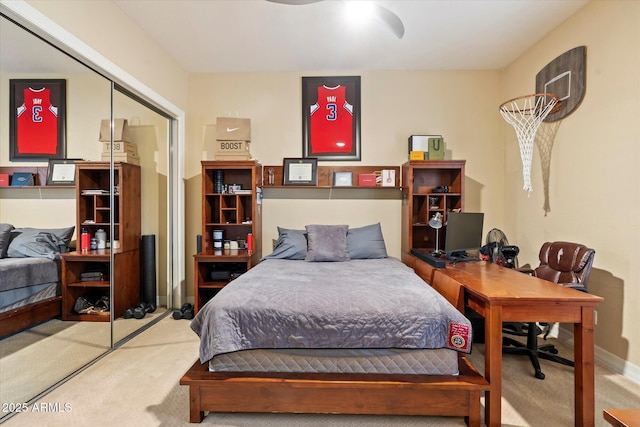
{"x":126,"y":216}
{"x":325,"y":177}
{"x":40,"y":174}
{"x":419,"y":179}
{"x":227,"y":212}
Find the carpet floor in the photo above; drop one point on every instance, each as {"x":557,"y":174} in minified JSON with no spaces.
{"x":138,"y":385}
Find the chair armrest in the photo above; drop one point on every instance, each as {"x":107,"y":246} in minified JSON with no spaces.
{"x":525,"y":269}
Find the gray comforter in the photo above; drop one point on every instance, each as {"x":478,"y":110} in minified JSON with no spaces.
{"x":378,"y":303}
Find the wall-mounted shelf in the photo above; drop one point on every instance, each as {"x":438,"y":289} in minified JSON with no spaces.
{"x":325,"y":177}
{"x":40,"y":176}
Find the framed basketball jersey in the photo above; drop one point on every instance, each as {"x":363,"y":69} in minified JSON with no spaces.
{"x":331,"y":117}
{"x":37,"y":125}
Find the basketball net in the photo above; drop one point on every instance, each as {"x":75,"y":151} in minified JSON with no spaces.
{"x":544,"y":141}
{"x":525,"y":114}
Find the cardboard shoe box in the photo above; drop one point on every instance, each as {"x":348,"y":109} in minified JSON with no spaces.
{"x":120,"y":147}
{"x":120,"y":130}
{"x":122,"y":157}
{"x":232,"y":150}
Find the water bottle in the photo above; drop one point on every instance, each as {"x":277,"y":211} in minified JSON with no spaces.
{"x":250,"y":242}
{"x":101,"y":237}
{"x":85,"y":240}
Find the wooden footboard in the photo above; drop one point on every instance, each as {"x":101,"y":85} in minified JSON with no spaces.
{"x":23,"y":317}
{"x":438,"y":395}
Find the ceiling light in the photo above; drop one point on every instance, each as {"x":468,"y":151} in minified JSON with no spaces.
{"x":359,"y":11}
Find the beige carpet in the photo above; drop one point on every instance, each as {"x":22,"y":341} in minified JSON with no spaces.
{"x":35,"y":359}
{"x":137,"y":385}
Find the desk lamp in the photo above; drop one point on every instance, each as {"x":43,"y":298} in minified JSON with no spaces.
{"x":436,"y":222}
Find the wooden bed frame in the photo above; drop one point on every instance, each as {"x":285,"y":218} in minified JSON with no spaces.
{"x":436,"y":395}
{"x":32,"y":314}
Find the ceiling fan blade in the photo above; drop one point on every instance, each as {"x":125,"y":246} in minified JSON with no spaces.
{"x":294,"y":2}
{"x":392,"y":20}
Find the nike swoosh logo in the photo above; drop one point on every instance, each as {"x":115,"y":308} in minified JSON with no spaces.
{"x":232,"y":129}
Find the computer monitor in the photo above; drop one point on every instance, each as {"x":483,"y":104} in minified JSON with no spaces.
{"x":463,"y":232}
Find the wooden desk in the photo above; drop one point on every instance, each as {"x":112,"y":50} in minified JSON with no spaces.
{"x":622,"y":417}
{"x":503,"y":295}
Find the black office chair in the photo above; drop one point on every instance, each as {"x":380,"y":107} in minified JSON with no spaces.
{"x":567,"y":264}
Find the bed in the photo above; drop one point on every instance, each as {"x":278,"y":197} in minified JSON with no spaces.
{"x":332,"y":328}
{"x":29,"y":275}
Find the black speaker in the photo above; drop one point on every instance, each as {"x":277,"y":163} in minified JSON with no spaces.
{"x":148,"y":270}
{"x":199,"y":243}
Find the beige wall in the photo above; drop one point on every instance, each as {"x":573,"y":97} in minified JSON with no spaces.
{"x":594,"y":195}
{"x":462,"y":106}
{"x":594,"y":188}
{"x":105,"y":28}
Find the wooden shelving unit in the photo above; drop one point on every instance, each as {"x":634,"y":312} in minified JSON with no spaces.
{"x":94,"y":211}
{"x":419,"y":202}
{"x":236,"y":215}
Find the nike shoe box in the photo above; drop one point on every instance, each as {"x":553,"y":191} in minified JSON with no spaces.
{"x":233,"y":129}
{"x":120,"y":130}
{"x":232,"y":150}
{"x":122,"y":157}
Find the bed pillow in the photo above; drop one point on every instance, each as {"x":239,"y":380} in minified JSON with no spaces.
{"x":291,"y":244}
{"x":366,"y":242}
{"x":39,"y":242}
{"x":327,"y":243}
{"x":5,"y":238}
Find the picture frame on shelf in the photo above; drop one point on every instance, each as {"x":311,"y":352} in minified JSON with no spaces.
{"x":37,"y":123}
{"x":61,"y":172}
{"x":342,"y":179}
{"x":331,"y":118}
{"x":300,"y":171}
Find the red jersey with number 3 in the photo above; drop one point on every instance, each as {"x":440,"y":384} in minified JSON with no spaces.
{"x":331,"y":122}
{"x":37,"y":123}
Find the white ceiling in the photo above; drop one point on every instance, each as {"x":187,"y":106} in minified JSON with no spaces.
{"x":257,"y":35}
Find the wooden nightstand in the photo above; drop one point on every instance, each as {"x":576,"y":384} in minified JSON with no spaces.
{"x":213,"y":270}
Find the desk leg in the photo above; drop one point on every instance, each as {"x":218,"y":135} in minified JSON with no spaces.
{"x":493,"y":365}
{"x":584,"y":381}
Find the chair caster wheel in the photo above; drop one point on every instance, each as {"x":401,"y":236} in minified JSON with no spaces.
{"x":553,"y":351}
{"x":539,"y":375}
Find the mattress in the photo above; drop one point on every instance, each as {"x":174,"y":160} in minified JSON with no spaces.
{"x":353,"y":361}
{"x":18,"y":298}
{"x":16,"y":273}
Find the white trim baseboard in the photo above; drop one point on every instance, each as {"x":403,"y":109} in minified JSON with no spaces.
{"x":605,"y":358}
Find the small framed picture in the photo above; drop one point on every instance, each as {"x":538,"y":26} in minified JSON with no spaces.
{"x":342,"y":179}
{"x":61,"y":172}
{"x":298,"y":171}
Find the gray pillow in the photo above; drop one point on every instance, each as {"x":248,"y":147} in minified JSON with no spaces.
{"x":5,"y":238}
{"x":291,"y":244}
{"x":327,"y":243}
{"x":366,"y":242}
{"x":27,"y":242}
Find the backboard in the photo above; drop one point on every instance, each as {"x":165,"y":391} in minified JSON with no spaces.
{"x":565,"y":76}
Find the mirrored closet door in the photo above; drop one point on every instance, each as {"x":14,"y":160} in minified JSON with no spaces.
{"x":38,"y":347}
{"x":70,"y":327}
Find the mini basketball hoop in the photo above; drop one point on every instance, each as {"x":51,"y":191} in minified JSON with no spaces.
{"x":525,"y":114}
